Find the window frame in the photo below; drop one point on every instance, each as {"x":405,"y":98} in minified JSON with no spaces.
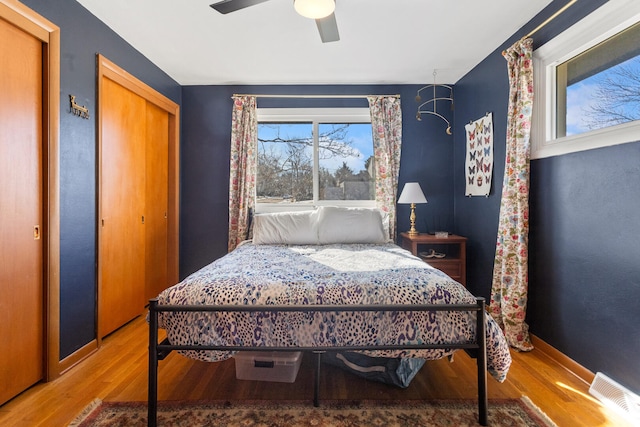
{"x":608,"y":20}
{"x":315,"y":116}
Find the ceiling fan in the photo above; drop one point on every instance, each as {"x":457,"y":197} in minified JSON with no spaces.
{"x":320,"y":10}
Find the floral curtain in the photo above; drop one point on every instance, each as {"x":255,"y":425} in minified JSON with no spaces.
{"x":510,"y":272}
{"x":386,"y":121}
{"x":242,"y":172}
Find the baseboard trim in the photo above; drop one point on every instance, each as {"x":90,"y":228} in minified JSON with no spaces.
{"x":77,"y":356}
{"x":563,"y":360}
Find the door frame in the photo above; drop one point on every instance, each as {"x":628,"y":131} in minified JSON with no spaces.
{"x":39,"y":27}
{"x":108,"y":69}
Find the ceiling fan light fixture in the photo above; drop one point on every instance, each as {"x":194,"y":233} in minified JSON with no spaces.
{"x":314,"y":9}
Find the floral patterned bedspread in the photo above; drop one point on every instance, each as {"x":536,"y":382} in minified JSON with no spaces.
{"x":325,"y":274}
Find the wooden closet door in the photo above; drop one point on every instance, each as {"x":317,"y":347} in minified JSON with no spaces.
{"x":21,"y":212}
{"x":156,"y":200}
{"x":122,"y":238}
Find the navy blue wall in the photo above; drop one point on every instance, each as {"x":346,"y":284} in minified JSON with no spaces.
{"x":584,"y":283}
{"x":82,"y":36}
{"x":584,"y":246}
{"x":426,"y":158}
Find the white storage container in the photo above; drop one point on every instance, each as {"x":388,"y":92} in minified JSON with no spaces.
{"x":275,"y":366}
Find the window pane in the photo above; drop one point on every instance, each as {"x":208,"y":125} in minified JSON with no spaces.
{"x":600,"y":87}
{"x":345,"y":152}
{"x":285,"y":163}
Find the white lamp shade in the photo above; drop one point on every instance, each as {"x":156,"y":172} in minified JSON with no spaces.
{"x":314,"y":9}
{"x":412,"y":193}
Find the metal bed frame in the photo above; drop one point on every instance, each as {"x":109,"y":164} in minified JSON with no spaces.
{"x":158,"y":351}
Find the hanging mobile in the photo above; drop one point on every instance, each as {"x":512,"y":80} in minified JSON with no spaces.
{"x":433,"y":100}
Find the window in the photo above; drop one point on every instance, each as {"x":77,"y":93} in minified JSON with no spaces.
{"x":601,"y":86}
{"x":587,"y":94}
{"x":310,"y":157}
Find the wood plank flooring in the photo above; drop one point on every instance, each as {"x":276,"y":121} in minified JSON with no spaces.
{"x":118,"y":372}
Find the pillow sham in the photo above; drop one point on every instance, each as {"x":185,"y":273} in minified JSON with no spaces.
{"x":350,"y":225}
{"x":286,"y":228}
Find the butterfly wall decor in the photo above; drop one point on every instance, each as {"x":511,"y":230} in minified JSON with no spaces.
{"x":479,"y":158}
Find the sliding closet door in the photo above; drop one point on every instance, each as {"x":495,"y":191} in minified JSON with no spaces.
{"x":156,"y":199}
{"x":138,"y":201}
{"x":22,"y":229}
{"x":122,"y":233}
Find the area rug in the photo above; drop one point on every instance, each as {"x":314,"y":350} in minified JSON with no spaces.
{"x":514,"y":412}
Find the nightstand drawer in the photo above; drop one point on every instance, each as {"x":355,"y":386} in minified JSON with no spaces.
{"x":452,"y":267}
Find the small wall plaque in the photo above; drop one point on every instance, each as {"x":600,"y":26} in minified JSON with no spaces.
{"x":78,"y":110}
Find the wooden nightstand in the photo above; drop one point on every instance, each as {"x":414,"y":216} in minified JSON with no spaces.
{"x":453,"y":247}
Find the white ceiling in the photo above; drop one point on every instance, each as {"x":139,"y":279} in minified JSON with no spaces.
{"x":381,"y":41}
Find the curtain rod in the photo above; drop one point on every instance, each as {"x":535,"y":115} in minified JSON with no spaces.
{"x":312,"y":96}
{"x":549,"y":19}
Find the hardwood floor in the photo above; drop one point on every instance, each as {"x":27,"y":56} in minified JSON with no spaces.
{"x":118,"y":372}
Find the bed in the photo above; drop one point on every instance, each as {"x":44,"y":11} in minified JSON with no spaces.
{"x":320,"y":281}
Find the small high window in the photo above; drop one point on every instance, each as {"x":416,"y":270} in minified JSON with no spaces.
{"x":587,"y":83}
{"x":600,"y":87}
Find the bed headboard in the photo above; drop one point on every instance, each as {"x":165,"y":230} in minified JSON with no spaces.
{"x":324,"y":225}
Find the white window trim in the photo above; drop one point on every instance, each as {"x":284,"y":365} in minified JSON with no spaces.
{"x":611,"y":18}
{"x":315,"y":116}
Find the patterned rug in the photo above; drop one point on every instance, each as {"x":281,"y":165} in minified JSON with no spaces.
{"x":515,"y":412}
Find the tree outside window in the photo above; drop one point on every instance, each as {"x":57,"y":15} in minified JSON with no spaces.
{"x":290,"y":157}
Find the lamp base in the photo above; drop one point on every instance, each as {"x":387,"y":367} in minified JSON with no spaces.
{"x":412,"y":220}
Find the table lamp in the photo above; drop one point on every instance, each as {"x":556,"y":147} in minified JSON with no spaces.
{"x":412,"y":193}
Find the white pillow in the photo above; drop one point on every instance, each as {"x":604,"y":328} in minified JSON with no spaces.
{"x":291,"y":228}
{"x":350,"y":225}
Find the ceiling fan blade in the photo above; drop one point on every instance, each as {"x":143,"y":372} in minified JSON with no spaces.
{"x":328,"y":28}
{"x":227,"y":6}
